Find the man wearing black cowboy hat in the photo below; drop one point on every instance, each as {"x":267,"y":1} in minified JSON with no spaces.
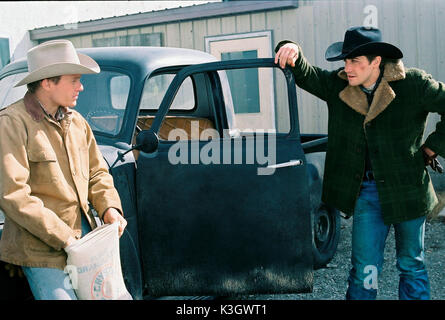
{"x":375,"y":162}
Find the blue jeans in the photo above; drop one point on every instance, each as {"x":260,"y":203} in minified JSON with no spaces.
{"x":368,"y":242}
{"x":52,"y":283}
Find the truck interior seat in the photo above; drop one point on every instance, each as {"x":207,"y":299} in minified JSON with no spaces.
{"x":192,"y":126}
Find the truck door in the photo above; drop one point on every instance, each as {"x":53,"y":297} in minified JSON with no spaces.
{"x":225,"y":210}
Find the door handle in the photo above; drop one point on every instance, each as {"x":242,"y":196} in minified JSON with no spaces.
{"x":290,"y":163}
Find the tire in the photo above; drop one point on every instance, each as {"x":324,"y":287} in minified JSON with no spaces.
{"x":325,"y":235}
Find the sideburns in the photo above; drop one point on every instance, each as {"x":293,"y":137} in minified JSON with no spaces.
{"x":33,"y":86}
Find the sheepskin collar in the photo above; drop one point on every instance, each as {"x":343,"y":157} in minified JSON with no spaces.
{"x":355,"y":98}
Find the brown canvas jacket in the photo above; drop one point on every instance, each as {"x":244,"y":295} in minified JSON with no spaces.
{"x":49,"y":171}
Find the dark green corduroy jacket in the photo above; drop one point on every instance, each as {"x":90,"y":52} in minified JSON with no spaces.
{"x":393,"y":128}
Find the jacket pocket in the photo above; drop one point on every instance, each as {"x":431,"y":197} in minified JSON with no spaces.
{"x":43,"y":166}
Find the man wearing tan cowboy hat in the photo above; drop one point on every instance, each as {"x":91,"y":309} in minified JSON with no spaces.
{"x":50,"y":167}
{"x":375,"y":166}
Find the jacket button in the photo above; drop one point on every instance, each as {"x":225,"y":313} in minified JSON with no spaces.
{"x":359,"y":150}
{"x":358,"y":176}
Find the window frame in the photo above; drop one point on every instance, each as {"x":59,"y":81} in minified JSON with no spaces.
{"x":128,"y":103}
{"x":293,"y":132}
{"x":174,"y":72}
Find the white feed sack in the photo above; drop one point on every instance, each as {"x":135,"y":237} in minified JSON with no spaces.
{"x":94,"y":265}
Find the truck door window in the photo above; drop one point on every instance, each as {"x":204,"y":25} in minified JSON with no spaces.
{"x":156,"y":87}
{"x":258,"y":99}
{"x":183,"y":117}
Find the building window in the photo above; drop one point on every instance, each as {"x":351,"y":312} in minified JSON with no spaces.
{"x":241,"y":87}
{"x":147,"y":39}
{"x":254,"y":100}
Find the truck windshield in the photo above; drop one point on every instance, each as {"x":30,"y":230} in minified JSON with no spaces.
{"x":103,"y":100}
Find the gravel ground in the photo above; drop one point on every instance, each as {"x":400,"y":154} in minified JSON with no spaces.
{"x":330,"y":282}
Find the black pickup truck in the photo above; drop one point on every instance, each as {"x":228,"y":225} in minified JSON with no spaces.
{"x":221,"y":191}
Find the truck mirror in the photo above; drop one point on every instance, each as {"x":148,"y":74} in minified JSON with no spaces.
{"x":147,"y":141}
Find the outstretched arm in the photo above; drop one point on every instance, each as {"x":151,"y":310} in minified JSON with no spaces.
{"x":315,"y":80}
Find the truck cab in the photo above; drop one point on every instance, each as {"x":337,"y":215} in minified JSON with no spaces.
{"x":221,"y":191}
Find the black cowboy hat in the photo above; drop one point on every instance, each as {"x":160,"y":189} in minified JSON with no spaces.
{"x":360,"y":41}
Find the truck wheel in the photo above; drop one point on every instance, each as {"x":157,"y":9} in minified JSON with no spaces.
{"x":325,"y":235}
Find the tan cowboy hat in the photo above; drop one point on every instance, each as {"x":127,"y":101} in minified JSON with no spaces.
{"x":55,"y":58}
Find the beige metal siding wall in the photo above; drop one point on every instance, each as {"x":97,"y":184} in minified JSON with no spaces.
{"x":415,"y":26}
